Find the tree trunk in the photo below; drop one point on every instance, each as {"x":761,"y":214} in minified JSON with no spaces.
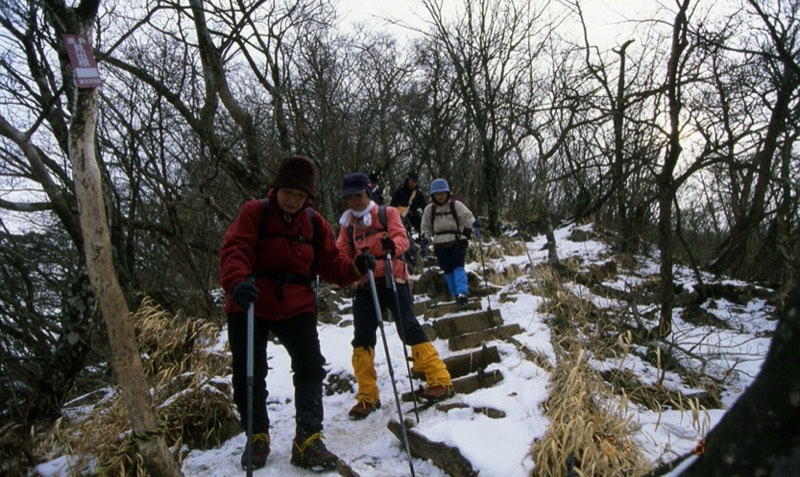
{"x":552,"y":250}
{"x":618,"y":166}
{"x":733,"y":251}
{"x":491,"y":181}
{"x":97,"y":247}
{"x":99,"y":256}
{"x":666,"y":247}
{"x":665,"y":180}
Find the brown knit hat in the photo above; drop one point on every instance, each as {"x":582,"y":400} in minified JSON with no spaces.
{"x":296,"y":172}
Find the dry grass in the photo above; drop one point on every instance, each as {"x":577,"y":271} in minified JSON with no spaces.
{"x":590,"y":434}
{"x":194,"y":407}
{"x":505,"y":276}
{"x":568,"y":311}
{"x":511,"y":246}
{"x":15,"y":449}
{"x":491,"y":250}
{"x":590,"y":430}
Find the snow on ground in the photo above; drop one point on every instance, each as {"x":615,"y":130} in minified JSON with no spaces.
{"x":497,"y":447}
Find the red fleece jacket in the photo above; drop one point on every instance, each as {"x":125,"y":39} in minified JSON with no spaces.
{"x":244,"y":251}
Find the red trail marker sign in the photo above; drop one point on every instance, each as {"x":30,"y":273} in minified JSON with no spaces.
{"x":82,"y":59}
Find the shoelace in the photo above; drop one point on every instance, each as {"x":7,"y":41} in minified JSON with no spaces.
{"x":261,"y":438}
{"x":317,"y":436}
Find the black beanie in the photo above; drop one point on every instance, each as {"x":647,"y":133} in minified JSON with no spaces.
{"x":296,"y":172}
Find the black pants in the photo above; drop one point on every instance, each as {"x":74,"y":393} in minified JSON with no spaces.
{"x":450,"y":258}
{"x":365,"y":321}
{"x":299,"y":336}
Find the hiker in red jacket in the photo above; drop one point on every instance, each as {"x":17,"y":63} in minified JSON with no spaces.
{"x":361,"y":228}
{"x":268,"y":257}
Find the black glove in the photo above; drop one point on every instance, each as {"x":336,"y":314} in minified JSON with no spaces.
{"x":467,"y":233}
{"x":364,"y":262}
{"x":245,"y":293}
{"x":388,"y":245}
{"x":476,"y":224}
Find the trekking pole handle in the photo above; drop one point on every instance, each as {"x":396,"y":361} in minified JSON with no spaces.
{"x":387,"y":249}
{"x":390,"y":283}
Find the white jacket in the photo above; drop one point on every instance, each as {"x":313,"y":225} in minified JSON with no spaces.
{"x":445,"y":229}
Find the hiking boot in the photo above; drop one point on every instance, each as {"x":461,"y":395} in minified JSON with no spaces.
{"x":260,"y":451}
{"x":461,"y":300}
{"x":309,"y":452}
{"x":437,"y":392}
{"x":363,"y":409}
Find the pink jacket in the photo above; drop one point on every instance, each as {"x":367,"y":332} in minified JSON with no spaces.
{"x":370,"y":237}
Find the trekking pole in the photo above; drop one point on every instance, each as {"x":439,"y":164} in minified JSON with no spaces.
{"x":316,"y":296}
{"x":250,"y":352}
{"x":399,"y":320}
{"x":377,"y":305}
{"x":477,"y":226}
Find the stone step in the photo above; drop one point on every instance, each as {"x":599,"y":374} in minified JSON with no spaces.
{"x":478,"y":338}
{"x":421,"y":307}
{"x":463,"y":364}
{"x":468,"y":384}
{"x":450,"y":307}
{"x":467,"y":323}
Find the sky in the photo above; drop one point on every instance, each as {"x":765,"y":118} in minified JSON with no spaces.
{"x":496,"y":447}
{"x":607,"y":19}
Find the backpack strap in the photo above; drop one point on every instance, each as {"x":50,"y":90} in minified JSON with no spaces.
{"x":412,"y":196}
{"x":316,"y":235}
{"x":312,"y":217}
{"x":384,"y":221}
{"x":458,"y":230}
{"x":453,"y":211}
{"x":381,"y":219}
{"x":279,"y":278}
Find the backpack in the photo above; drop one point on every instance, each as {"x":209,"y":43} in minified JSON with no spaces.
{"x":453,"y":213}
{"x":409,"y":256}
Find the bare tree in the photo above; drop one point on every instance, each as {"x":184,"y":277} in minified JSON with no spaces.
{"x":322,"y":108}
{"x":100,"y":264}
{"x":50,"y":326}
{"x":780,"y":57}
{"x":664,"y":178}
{"x":436,"y":125}
{"x":493,"y":47}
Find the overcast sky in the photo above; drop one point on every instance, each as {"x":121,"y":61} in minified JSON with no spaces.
{"x":605,"y":17}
